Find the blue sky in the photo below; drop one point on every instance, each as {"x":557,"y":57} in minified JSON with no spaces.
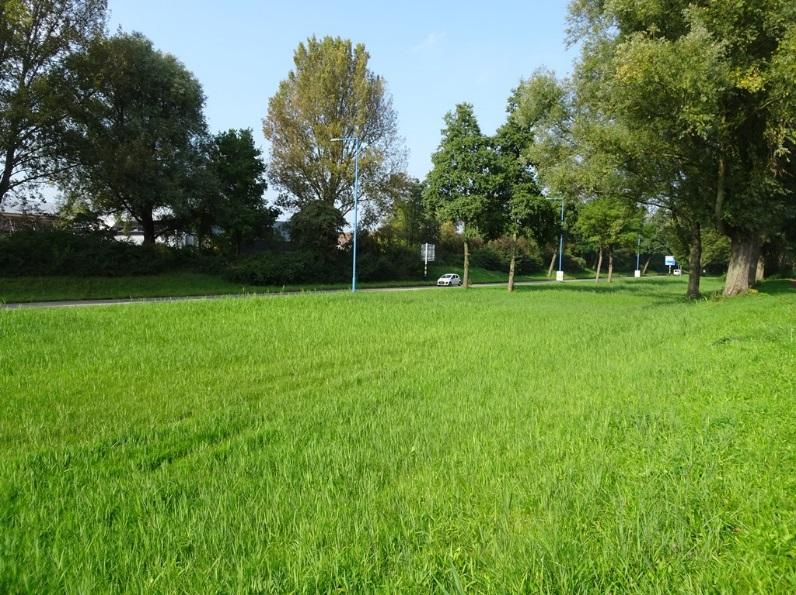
{"x":432,"y":54}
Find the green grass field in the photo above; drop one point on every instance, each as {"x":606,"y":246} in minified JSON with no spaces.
{"x":559,"y":439}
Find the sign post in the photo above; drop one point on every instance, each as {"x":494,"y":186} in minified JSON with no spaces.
{"x":669,"y":261}
{"x":428,"y":254}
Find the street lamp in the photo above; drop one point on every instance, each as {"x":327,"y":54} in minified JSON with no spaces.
{"x":560,"y":271}
{"x":355,"y":140}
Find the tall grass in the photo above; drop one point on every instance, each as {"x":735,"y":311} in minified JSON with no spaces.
{"x":559,"y":439}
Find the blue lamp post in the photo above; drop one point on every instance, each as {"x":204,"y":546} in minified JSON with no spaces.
{"x":355,"y":140}
{"x":560,"y":272}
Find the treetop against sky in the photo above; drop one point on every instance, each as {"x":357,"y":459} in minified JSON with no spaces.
{"x":432,"y":55}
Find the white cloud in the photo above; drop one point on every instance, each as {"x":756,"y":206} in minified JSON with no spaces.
{"x":430,"y":41}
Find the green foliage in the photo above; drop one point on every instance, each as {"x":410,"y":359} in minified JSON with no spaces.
{"x":466,"y":185}
{"x":338,"y":442}
{"x":228,"y":202}
{"x":530,"y":214}
{"x":709,"y":89}
{"x":61,"y":252}
{"x":410,"y":220}
{"x":316,"y":228}
{"x":285,"y":268}
{"x":36,"y":36}
{"x":330,"y":94}
{"x":496,"y":256}
{"x":135,"y":129}
{"x":608,"y":223}
{"x":385,"y":261}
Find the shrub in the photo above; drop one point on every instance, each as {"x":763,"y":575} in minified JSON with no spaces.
{"x":61,"y":252}
{"x":389,"y":263}
{"x":285,"y":268}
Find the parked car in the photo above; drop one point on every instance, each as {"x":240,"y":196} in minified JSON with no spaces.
{"x":449,"y":280}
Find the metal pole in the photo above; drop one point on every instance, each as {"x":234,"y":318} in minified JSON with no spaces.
{"x":425,"y":262}
{"x":638,"y":254}
{"x":561,"y":243}
{"x":356,"y":199}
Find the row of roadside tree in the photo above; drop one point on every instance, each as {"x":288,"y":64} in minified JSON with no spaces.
{"x":674,"y":134}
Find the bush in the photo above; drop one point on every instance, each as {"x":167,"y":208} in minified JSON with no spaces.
{"x":60,"y":252}
{"x":496,"y":256}
{"x":284,"y":268}
{"x":389,"y":263}
{"x":488,"y":258}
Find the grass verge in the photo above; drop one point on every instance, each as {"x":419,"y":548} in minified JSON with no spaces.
{"x":560,"y":439}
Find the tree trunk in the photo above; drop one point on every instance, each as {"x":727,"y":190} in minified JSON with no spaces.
{"x":646,"y":265}
{"x":695,"y":262}
{"x":743,"y":258}
{"x":552,"y":264}
{"x":148,"y":225}
{"x":610,"y":263}
{"x":513,"y":263}
{"x":599,"y":265}
{"x":755,"y":260}
{"x":8,"y":168}
{"x":466,"y":264}
{"x":720,"y":195}
{"x":760,"y":272}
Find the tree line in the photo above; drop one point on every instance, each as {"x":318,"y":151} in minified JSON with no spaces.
{"x":119,"y":127}
{"x":679,"y":115}
{"x":675,"y":132}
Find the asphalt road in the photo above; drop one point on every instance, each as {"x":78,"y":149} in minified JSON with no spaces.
{"x":117,"y":301}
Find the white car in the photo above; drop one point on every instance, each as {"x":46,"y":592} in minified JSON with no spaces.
{"x":449,"y":280}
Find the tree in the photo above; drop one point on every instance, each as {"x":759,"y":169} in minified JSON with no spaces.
{"x":316,"y":229}
{"x":529,"y":213}
{"x":410,"y":221}
{"x":36,"y":36}
{"x":135,"y":132}
{"x":230,"y":196}
{"x":466,"y":185}
{"x":710,"y":89}
{"x":607,"y":223}
{"x":332,"y":94}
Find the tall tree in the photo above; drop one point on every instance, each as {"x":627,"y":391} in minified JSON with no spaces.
{"x":136,"y":130}
{"x":35,"y":38}
{"x":529,"y":214}
{"x":230,"y":197}
{"x":332,"y":94}
{"x":466,"y":185}
{"x":410,"y":221}
{"x":710,"y":89}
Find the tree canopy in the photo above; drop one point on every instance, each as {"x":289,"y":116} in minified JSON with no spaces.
{"x":708,"y":90}
{"x":332,"y":94}
{"x":135,"y":131}
{"x":36,"y":36}
{"x":466,"y":185}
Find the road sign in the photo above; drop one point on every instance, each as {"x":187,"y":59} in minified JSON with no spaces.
{"x":670,"y":261}
{"x":428,"y":252}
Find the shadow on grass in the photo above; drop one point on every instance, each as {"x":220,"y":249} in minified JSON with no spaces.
{"x":777,"y":287}
{"x":660,"y":291}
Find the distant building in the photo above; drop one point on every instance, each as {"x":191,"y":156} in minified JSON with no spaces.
{"x":135,"y":235}
{"x":11,"y":222}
